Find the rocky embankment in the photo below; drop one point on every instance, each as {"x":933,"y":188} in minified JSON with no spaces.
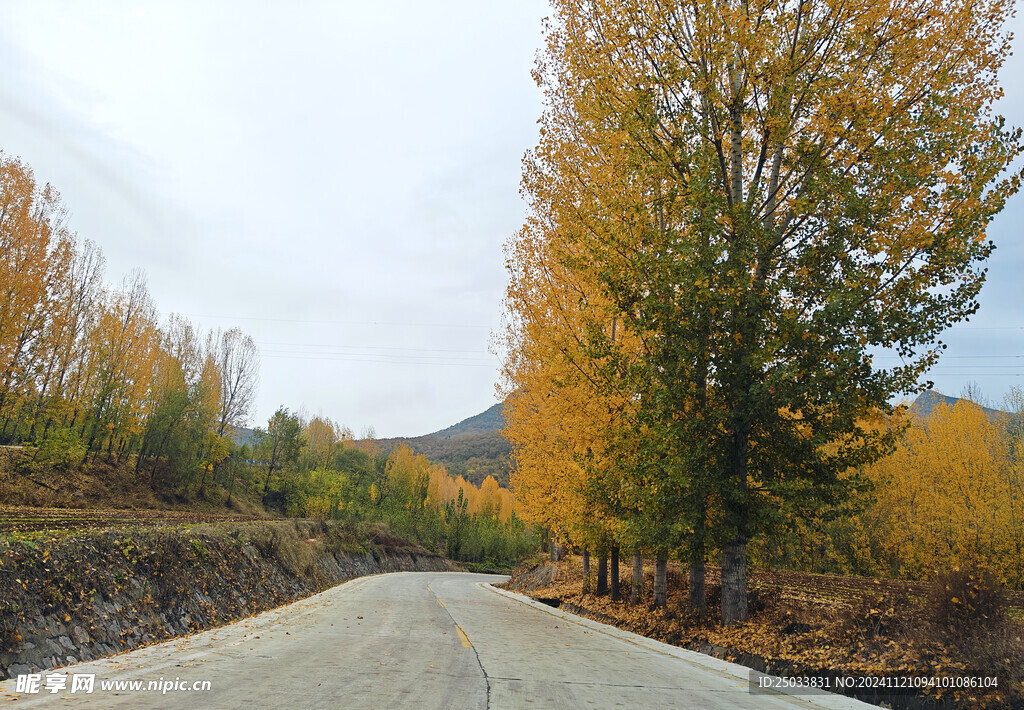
{"x":81,"y":597}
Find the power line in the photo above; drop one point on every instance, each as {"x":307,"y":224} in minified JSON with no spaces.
{"x":396,"y":357}
{"x":312,"y":356}
{"x":344,"y":322}
{"x":974,"y":374}
{"x":956,"y":357}
{"x":367,"y":347}
{"x":992,"y":367}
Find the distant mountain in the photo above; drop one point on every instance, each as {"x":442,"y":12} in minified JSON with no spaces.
{"x":474,"y":448}
{"x":489,"y":421}
{"x":241,"y":435}
{"x":926,"y":403}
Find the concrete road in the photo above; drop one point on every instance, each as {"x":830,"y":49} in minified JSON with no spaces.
{"x":423,"y":640}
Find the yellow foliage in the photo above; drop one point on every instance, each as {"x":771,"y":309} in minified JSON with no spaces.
{"x":321,"y":435}
{"x":949,"y":494}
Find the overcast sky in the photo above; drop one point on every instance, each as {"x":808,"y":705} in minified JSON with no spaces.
{"x":337,"y":179}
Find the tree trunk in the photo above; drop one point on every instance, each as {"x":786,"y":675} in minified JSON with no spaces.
{"x":615,"y":574}
{"x":21,"y":421}
{"x":554,"y":547}
{"x":266,"y":486}
{"x":88,"y":447}
{"x":156,"y":454}
{"x":143,"y":449}
{"x":697,"y":575}
{"x":586,"y":571}
{"x":734,"y":582}
{"x":697,"y":585}
{"x":231,"y":488}
{"x":638,"y":577}
{"x":661,"y":580}
{"x":602,"y":572}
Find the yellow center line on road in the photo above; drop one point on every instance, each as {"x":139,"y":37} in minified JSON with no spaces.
{"x":463,"y":637}
{"x":442,"y":604}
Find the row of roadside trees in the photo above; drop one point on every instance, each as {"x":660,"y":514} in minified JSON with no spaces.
{"x":734,"y":208}
{"x":87,"y":369}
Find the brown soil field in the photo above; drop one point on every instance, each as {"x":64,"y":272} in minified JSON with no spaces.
{"x":16,"y":520}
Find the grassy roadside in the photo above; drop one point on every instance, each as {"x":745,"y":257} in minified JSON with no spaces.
{"x":803,"y":624}
{"x":487,"y":568}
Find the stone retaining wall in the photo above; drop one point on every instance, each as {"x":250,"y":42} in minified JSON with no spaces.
{"x":81,"y":598}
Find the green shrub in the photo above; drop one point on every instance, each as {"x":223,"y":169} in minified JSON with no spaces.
{"x":61,"y":450}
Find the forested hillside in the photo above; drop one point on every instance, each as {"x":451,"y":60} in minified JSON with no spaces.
{"x":474,"y":448}
{"x":951,"y":494}
{"x":486,"y":422}
{"x":927,"y":402}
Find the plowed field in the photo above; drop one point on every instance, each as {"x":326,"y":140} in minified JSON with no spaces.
{"x":15,"y":520}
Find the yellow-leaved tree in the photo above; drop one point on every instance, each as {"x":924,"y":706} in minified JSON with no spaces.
{"x":563,"y":401}
{"x":36,"y":252}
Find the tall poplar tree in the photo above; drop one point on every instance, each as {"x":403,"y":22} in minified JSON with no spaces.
{"x":561,"y":405}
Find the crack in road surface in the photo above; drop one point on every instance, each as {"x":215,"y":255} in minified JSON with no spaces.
{"x":466,"y":643}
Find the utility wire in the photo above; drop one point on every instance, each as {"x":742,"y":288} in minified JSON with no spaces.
{"x":313,"y":356}
{"x":387,"y":355}
{"x":366,"y":347}
{"x":348,"y":322}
